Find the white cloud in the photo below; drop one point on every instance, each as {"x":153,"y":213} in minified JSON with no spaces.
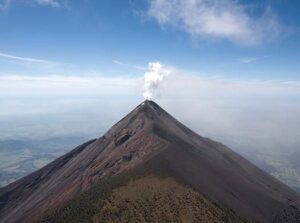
{"x":23,"y":59}
{"x":52,"y":3}
{"x":248,"y":59}
{"x":137,"y":67}
{"x":251,"y":59}
{"x":68,"y":85}
{"x":245,"y":115}
{"x":4,"y":4}
{"x":226,"y":19}
{"x":41,"y":65}
{"x":262,"y":115}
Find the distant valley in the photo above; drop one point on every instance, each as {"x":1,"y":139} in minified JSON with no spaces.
{"x":281,"y":165}
{"x":23,"y":156}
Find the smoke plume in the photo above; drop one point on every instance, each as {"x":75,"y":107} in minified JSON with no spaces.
{"x":153,"y":78}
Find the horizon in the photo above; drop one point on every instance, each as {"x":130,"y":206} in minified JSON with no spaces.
{"x":69,"y":54}
{"x":149,"y":111}
{"x":229,"y":70}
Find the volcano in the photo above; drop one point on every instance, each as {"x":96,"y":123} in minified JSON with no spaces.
{"x":149,"y":168}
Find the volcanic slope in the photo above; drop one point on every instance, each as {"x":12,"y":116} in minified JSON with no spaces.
{"x":149,"y":168}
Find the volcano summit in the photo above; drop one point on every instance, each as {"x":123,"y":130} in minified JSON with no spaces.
{"x":149,"y":168}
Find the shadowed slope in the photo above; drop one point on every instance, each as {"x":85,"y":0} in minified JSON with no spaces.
{"x":150,"y":133}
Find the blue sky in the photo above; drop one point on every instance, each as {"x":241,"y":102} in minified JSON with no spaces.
{"x":77,"y":67}
{"x":259,"y":40}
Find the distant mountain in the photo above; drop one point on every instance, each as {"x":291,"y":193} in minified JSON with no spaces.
{"x":149,"y":168}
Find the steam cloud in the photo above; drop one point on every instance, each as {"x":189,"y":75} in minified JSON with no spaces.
{"x":153,"y":78}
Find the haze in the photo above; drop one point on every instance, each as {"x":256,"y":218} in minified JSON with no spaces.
{"x":73,"y":69}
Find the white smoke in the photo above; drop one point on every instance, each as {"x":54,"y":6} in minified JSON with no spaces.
{"x":153,"y":78}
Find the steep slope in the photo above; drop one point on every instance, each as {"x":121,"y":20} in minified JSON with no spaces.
{"x":152,"y":199}
{"x":143,"y":194}
{"x":150,"y":135}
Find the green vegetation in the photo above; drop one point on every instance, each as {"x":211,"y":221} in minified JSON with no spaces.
{"x":140,"y":196}
{"x":151,"y":199}
{"x":283,"y":166}
{"x":19,"y":158}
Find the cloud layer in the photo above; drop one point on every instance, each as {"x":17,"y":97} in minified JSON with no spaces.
{"x":5,"y":4}
{"x":214,"y":19}
{"x":52,"y":3}
{"x":9,"y":57}
{"x":132,"y":66}
{"x":35,"y":65}
{"x":245,"y":115}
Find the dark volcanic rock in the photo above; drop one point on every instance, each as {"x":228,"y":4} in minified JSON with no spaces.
{"x":150,"y":135}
